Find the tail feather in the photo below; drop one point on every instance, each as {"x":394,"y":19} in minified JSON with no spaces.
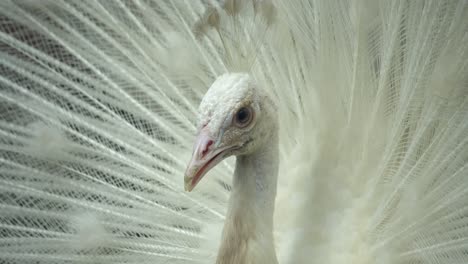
{"x":388,"y":181}
{"x":95,"y":132}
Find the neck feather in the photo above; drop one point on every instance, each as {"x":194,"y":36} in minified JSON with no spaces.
{"x":248,"y":230}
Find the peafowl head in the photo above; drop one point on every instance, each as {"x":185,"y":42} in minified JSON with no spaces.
{"x":235,"y":118}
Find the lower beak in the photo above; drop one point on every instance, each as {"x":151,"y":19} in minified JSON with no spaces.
{"x":205,"y":156}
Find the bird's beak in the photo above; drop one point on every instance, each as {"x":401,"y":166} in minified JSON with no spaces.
{"x":205,"y":156}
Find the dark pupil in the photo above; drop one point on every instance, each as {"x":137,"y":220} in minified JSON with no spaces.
{"x":243,"y":115}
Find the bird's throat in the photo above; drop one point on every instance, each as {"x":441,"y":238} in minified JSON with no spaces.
{"x":248,"y":230}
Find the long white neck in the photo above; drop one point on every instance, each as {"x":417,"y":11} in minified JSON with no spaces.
{"x":248,"y":230}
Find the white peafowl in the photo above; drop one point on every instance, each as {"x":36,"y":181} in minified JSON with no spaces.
{"x":348,"y":121}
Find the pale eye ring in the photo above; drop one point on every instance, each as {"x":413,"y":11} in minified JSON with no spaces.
{"x":243,"y":117}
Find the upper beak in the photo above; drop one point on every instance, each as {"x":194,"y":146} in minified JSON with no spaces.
{"x":205,"y":156}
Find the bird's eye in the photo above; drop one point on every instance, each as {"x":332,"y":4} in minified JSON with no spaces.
{"x":243,"y":117}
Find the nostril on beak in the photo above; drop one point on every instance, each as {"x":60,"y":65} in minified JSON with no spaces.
{"x":207,"y":147}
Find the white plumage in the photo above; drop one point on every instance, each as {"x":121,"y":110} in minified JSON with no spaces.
{"x":98,"y":112}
